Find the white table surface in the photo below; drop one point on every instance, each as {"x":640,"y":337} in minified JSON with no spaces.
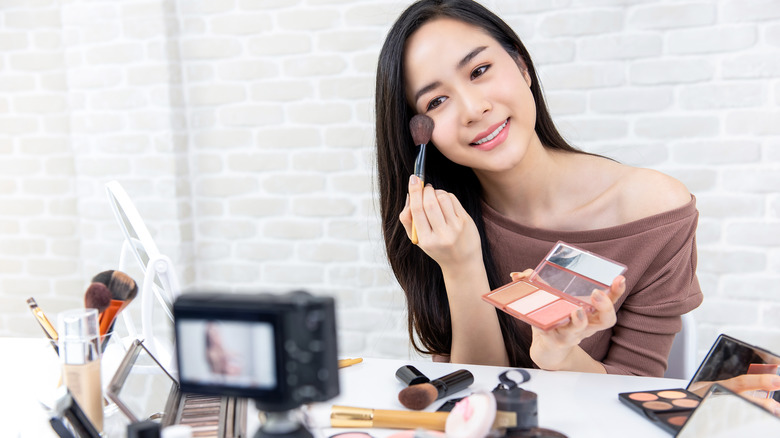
{"x":579,"y":405}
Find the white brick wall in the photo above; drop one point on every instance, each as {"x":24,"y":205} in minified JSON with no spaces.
{"x":243,"y":131}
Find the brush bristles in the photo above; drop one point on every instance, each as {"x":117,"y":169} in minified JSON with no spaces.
{"x":418,"y":397}
{"x":122,"y":287}
{"x":422,"y":129}
{"x":97,"y":297}
{"x":103,"y":277}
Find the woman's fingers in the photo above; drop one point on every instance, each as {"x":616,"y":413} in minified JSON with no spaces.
{"x":516,"y":276}
{"x":617,"y":289}
{"x":752,"y":382}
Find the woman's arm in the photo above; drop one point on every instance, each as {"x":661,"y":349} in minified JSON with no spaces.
{"x":447,"y":233}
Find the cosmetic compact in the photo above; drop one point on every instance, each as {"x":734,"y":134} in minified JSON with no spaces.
{"x":143,"y":390}
{"x":670,"y":409}
{"x":562,"y":282}
{"x":723,"y":413}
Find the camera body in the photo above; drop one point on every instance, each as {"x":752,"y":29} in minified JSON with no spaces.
{"x":277,"y":349}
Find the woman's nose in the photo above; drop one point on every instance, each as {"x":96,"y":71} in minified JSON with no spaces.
{"x":474,"y":105}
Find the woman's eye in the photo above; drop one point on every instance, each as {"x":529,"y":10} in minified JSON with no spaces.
{"x":479,"y":71}
{"x":435,"y":102}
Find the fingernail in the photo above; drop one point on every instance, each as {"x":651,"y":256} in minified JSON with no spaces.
{"x":413,"y":180}
{"x":407,"y":199}
{"x":597,"y":295}
{"x":580,"y":314}
{"x":623,"y":282}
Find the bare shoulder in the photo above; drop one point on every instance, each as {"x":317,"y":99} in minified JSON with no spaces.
{"x":647,"y":192}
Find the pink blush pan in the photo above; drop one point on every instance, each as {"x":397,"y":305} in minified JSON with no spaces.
{"x":553,"y":314}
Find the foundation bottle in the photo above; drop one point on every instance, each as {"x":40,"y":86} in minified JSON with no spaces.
{"x":79,"y":344}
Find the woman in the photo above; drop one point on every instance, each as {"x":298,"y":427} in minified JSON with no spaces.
{"x":502,"y":186}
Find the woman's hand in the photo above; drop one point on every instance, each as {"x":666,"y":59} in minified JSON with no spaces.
{"x":445,"y":231}
{"x":558,"y":348}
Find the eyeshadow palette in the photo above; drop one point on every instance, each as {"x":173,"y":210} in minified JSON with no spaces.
{"x":667,"y":408}
{"x":561,"y":283}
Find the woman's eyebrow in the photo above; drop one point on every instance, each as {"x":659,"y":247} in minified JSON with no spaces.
{"x":462,"y":63}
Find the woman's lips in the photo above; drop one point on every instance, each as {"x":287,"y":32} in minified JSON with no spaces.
{"x":492,"y":137}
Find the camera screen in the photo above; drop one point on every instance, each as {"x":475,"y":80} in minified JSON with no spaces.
{"x":227,"y":353}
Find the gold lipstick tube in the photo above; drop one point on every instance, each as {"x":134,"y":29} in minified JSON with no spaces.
{"x":346,"y":416}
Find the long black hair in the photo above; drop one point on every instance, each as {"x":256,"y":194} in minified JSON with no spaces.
{"x":429,"y":323}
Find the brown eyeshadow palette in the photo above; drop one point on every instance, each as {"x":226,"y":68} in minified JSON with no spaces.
{"x":667,"y":408}
{"x":562,"y":283}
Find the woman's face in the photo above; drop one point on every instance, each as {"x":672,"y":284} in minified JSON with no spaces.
{"x":475,"y":92}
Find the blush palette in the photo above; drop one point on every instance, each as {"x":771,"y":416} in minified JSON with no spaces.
{"x":561,"y":283}
{"x":667,"y":408}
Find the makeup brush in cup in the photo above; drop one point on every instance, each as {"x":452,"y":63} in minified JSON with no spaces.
{"x":123,"y":290}
{"x":420,"y":396}
{"x":97,"y":297}
{"x":422,"y":129}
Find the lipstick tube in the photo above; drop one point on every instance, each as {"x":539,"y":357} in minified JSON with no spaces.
{"x":346,"y":416}
{"x":79,"y":345}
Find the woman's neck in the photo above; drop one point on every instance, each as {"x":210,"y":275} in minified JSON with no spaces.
{"x":534,"y":190}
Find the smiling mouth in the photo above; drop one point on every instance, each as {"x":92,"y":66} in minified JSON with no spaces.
{"x":492,"y":135}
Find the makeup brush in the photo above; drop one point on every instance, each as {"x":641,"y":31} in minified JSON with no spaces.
{"x":97,"y":297}
{"x":103,"y":277}
{"x":422,"y":129}
{"x":420,"y":396}
{"x":123,"y":290}
{"x":43,"y":321}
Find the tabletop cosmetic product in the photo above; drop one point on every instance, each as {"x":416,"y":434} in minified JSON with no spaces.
{"x":422,"y":395}
{"x":143,"y":390}
{"x":473,"y":416}
{"x":510,"y":397}
{"x":79,"y":346}
{"x":728,"y":357}
{"x":348,"y":416}
{"x":409,"y":375}
{"x":66,"y":417}
{"x":562,"y":282}
{"x":43,"y":321}
{"x":725,"y":414}
{"x":668,"y":408}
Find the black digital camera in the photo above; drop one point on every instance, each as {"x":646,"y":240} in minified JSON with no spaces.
{"x":279,"y":350}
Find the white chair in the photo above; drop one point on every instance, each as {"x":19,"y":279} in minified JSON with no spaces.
{"x":682,"y":359}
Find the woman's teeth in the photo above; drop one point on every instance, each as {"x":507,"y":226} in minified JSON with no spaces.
{"x":492,"y":135}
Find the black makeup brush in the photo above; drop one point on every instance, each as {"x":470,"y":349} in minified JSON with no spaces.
{"x":122,"y":287}
{"x":420,"y":396}
{"x":103,"y":277}
{"x":97,"y":297}
{"x":422,"y":129}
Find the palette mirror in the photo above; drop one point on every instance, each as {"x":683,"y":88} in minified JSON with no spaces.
{"x":576,"y":272}
{"x":728,"y":358}
{"x":723,"y":413}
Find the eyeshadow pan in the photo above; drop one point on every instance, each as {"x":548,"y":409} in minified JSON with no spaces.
{"x":677,"y":420}
{"x":643,"y":396}
{"x":532,"y":302}
{"x":512,"y":292}
{"x":554,"y":312}
{"x":672,"y":394}
{"x":657,"y":405}
{"x":686,"y":403}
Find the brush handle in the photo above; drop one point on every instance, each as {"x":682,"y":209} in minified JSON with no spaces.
{"x":410,"y":420}
{"x":419,"y":170}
